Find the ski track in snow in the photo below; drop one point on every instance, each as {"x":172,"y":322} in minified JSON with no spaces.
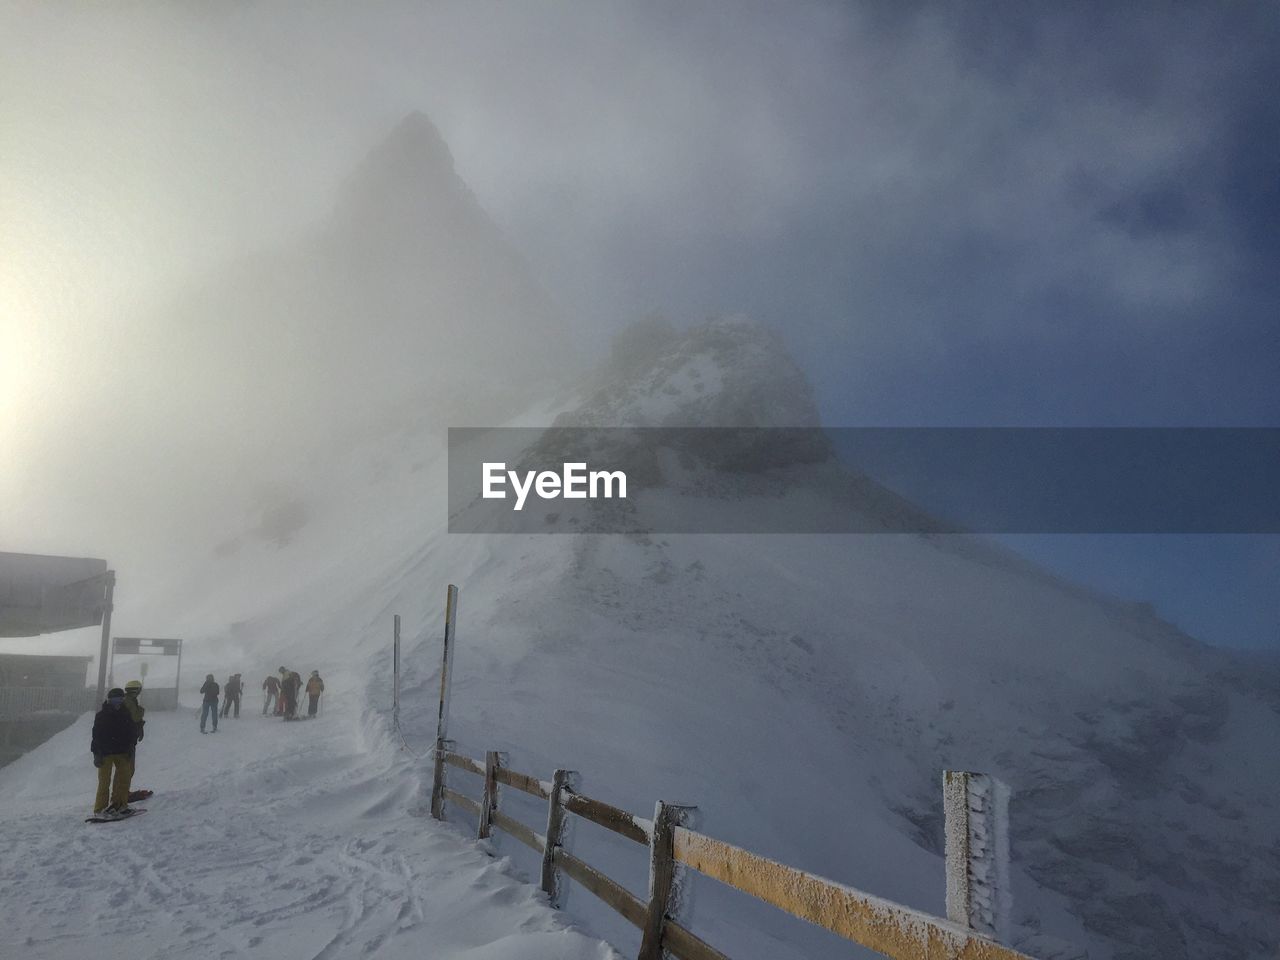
{"x":287,"y":841}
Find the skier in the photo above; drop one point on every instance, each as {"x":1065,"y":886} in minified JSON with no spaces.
{"x":231,"y":694}
{"x":282,"y":704}
{"x":272,"y":687}
{"x":210,"y":706}
{"x":115,"y":736}
{"x":315,"y":687}
{"x":289,"y":684}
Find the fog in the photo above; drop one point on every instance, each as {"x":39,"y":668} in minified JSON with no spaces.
{"x":224,"y":252}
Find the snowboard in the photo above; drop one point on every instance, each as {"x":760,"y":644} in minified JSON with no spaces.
{"x":136,"y":795}
{"x":135,"y":812}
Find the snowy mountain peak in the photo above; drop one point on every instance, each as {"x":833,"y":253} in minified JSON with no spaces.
{"x":410,"y":174}
{"x":726,"y":372}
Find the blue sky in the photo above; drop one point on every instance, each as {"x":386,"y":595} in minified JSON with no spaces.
{"x":1220,"y":589}
{"x":1085,"y":236}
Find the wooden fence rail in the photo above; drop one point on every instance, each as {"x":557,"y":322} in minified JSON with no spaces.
{"x":888,"y":928}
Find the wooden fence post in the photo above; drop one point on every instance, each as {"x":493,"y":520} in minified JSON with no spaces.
{"x":977,"y":852}
{"x":395,"y":673}
{"x":489,"y":803}
{"x":555,"y":832}
{"x":663,"y":883}
{"x":442,"y":717}
{"x":438,"y":782}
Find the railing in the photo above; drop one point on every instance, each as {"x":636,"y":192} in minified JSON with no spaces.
{"x":17,"y":703}
{"x":888,"y":928}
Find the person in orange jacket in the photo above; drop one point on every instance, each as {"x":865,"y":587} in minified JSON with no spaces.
{"x":315,"y":687}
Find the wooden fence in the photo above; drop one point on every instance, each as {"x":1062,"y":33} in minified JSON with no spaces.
{"x":888,"y":928}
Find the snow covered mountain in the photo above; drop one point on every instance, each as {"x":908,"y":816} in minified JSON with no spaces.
{"x":804,"y":691}
{"x":1142,"y":789}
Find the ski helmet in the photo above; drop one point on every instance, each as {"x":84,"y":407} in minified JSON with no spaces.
{"x":133,"y":686}
{"x":116,"y":695}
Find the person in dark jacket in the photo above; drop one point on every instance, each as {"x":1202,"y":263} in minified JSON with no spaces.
{"x":231,"y":694}
{"x":210,"y":706}
{"x":272,"y":687}
{"x":115,"y":735}
{"x":290,"y":682}
{"x":315,"y":687}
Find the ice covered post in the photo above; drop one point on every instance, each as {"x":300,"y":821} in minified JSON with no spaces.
{"x":395,"y":673}
{"x":557,"y":832}
{"x":442,"y":717}
{"x":489,"y":804}
{"x":977,"y":833}
{"x":667,"y":880}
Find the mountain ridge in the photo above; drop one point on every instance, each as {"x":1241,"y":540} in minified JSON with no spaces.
{"x":781,"y":681}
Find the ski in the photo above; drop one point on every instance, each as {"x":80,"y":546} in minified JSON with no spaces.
{"x":136,"y":812}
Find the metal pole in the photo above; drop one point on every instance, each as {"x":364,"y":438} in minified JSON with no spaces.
{"x":177,"y":681}
{"x":106,"y":632}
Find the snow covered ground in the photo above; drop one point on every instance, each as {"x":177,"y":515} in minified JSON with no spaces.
{"x":289,"y":841}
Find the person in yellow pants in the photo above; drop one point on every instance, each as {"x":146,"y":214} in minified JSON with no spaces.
{"x":115,"y":735}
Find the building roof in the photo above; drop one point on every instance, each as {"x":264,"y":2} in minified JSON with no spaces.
{"x":44,"y":594}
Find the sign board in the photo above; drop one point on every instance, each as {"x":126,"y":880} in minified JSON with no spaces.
{"x":164,"y":698}
{"x":40,"y":594}
{"x":168,"y":648}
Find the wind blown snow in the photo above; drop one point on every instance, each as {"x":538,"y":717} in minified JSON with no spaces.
{"x":292,"y":841}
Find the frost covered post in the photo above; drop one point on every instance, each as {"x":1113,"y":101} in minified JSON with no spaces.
{"x":556,"y":827}
{"x":977,"y":833}
{"x":442,"y":717}
{"x":489,"y":802}
{"x":395,"y":674}
{"x":666,"y":876}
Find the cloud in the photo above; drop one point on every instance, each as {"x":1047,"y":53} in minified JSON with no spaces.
{"x":978,"y":211}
